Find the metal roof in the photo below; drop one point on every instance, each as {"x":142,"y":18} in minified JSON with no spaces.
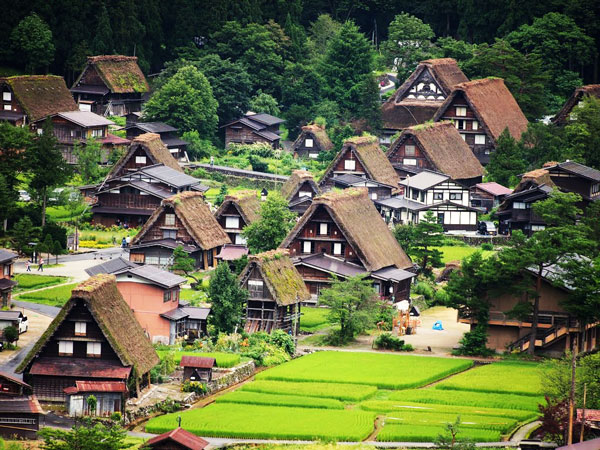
{"x":424,"y":180}
{"x":167,"y":243}
{"x":10,"y":315}
{"x":111,"y":266}
{"x":268,"y":135}
{"x":578,"y":169}
{"x":493,"y":188}
{"x":173,"y":141}
{"x":152,"y":127}
{"x":85,"y":118}
{"x":350,"y":180}
{"x":79,"y":367}
{"x":266,"y":119}
{"x":96,"y":386}
{"x":199,"y":362}
{"x":170,"y":176}
{"x":186,"y":439}
{"x":331,"y":264}
{"x":21,"y":405}
{"x":187,"y":312}
{"x":156,"y":275}
{"x":231,"y":252}
{"x":5,"y":255}
{"x":399,"y":202}
{"x":392,"y":274}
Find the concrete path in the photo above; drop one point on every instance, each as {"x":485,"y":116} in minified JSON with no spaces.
{"x":46,"y":310}
{"x":522,"y":432}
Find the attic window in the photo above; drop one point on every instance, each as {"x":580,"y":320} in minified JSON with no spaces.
{"x":232,"y":222}
{"x":94,"y":349}
{"x":65,"y":348}
{"x":409,"y":150}
{"x":169,"y":234}
{"x":480,"y":139}
{"x":337,"y":248}
{"x":322,"y":229}
{"x":409,"y":161}
{"x":350,"y":164}
{"x":80,"y":328}
{"x":308,"y":143}
{"x":306,"y":247}
{"x":475,"y":125}
{"x":461,"y":111}
{"x":304,"y":194}
{"x":6,"y":107}
{"x":140,"y":160}
{"x":169,"y":219}
{"x":7,"y":96}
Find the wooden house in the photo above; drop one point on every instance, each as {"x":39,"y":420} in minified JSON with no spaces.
{"x":197,"y":368}
{"x":420,"y":96}
{"x":168,"y":135}
{"x":153,"y":296}
{"x":177,"y":439}
{"x":299,"y":190}
{"x":111,"y":395}
{"x":275,"y":291}
{"x":253,"y":128}
{"x":570,"y":176}
{"x":7,"y":260}
{"x":360,"y":156}
{"x":19,"y":410}
{"x":579,"y":95}
{"x":488,"y":196}
{"x":181,"y":220}
{"x":238,"y":210}
{"x":481,"y":110}
{"x":130,"y":199}
{"x":438,"y":147}
{"x":431,"y":191}
{"x":341,"y":235}
{"x":377,"y":190}
{"x":29,"y":99}
{"x":312,"y":140}
{"x":94,"y":338}
{"x":110,"y":85}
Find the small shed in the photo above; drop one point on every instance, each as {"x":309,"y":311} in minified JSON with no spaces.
{"x":109,"y":397}
{"x":312,"y":140}
{"x":177,"y":439}
{"x":197,"y":368}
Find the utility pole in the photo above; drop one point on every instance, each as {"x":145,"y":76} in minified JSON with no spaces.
{"x":572,"y":393}
{"x":583,"y":412}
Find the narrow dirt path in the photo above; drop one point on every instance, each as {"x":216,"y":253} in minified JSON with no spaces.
{"x":378,"y":426}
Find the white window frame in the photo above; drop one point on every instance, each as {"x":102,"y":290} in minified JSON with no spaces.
{"x":313,"y":155}
{"x":519,"y":205}
{"x":350,"y":164}
{"x":409,"y":161}
{"x":306,"y":245}
{"x":474,"y":125}
{"x":309,"y":143}
{"x":232,"y":222}
{"x":7,"y":108}
{"x":151,"y":260}
{"x":305,"y":194}
{"x":373,"y":195}
{"x":93,"y":349}
{"x":80,"y":328}
{"x":169,"y":233}
{"x":85,"y":107}
{"x":65,"y":348}
{"x":461,"y":111}
{"x":480,"y":139}
{"x":337,"y":248}
{"x":170,"y":219}
{"x":456,"y":196}
{"x":323,"y":229}
{"x":7,"y":96}
{"x":409,"y":150}
{"x":239,"y":239}
{"x":140,"y":160}
{"x":438,"y":196}
{"x":6,"y":269}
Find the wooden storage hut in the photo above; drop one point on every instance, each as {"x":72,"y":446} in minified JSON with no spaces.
{"x":19,"y":410}
{"x":177,"y":439}
{"x":197,"y":368}
{"x":299,"y":190}
{"x":312,"y":140}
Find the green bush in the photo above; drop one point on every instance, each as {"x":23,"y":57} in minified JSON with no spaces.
{"x":386,"y":341}
{"x":441,"y":297}
{"x":194,"y":386}
{"x":487,"y":246}
{"x":474,"y":343}
{"x":425,"y":290}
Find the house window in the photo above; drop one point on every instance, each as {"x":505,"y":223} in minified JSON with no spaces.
{"x":40,"y":131}
{"x":6,"y":270}
{"x":6,"y":107}
{"x":65,"y":348}
{"x":305,"y":194}
{"x":538,"y":227}
{"x":475,"y":125}
{"x":97,"y":132}
{"x":409,"y":150}
{"x":152,"y":260}
{"x":409,"y":161}
{"x":94,"y":349}
{"x":86,"y":107}
{"x":461,"y":111}
{"x":7,"y":96}
{"x":455,"y":196}
{"x":169,"y":220}
{"x":322,"y":228}
{"x":167,"y":296}
{"x":169,"y":234}
{"x":306,"y":247}
{"x":415,"y":194}
{"x":255,"y":288}
{"x":520,"y":205}
{"x":595,"y":188}
{"x":165,"y":260}
{"x":480,"y":139}
{"x":438,"y":196}
{"x":80,"y":328}
{"x":463,"y":136}
{"x":140,"y":160}
{"x":373,"y":195}
{"x":350,"y":164}
{"x":232,"y":222}
{"x":337,"y":248}
{"x":313,"y":155}
{"x":115,"y":191}
{"x":460,"y":124}
{"x":240,"y":240}
{"x":308,"y":143}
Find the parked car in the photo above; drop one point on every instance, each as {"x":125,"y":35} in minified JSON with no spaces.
{"x":1,"y":346}
{"x":23,"y":324}
{"x":487,"y":228}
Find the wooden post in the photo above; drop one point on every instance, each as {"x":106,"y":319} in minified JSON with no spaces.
{"x":583,"y":412}
{"x":572,"y":393}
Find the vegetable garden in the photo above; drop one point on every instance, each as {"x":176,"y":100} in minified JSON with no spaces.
{"x":338,"y":396}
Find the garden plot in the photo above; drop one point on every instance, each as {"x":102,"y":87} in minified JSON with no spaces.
{"x":386,"y":371}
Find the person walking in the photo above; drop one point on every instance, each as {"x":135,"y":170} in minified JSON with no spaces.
{"x":28,"y":265}
{"x":41,"y":265}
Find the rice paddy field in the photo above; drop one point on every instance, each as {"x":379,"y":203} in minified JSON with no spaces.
{"x":56,"y":296}
{"x":224,"y":360}
{"x":29,"y":281}
{"x":314,"y":319}
{"x":339,"y":395}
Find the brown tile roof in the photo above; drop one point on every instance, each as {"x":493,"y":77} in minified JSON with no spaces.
{"x":21,"y":405}
{"x":493,"y":188}
{"x":155,"y":149}
{"x":41,"y":95}
{"x":246,"y":202}
{"x":115,"y":319}
{"x":121,"y":74}
{"x":356,"y":216}
{"x":15,"y":380}
{"x":96,"y":386}
{"x":196,"y":217}
{"x":590,"y":90}
{"x":279,"y":274}
{"x":320,"y":135}
{"x":198,"y":362}
{"x":370,"y":155}
{"x":295,"y":181}
{"x":493,"y":105}
{"x":186,"y":439}
{"x":444,"y":148}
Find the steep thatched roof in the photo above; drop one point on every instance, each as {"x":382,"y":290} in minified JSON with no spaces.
{"x":493,"y":105}
{"x":444,"y":148}
{"x":319,"y":133}
{"x":361,"y":224}
{"x":154,"y":148}
{"x":41,"y":96}
{"x":294,"y":183}
{"x":372,"y":158}
{"x":589,"y":90}
{"x":121,"y":74}
{"x":536,"y":177}
{"x":196,"y":217}
{"x":246,"y":202}
{"x":281,"y":277}
{"x":115,"y":319}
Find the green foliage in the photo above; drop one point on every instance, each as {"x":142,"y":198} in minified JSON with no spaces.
{"x":29,"y":281}
{"x":581,"y":135}
{"x":227,"y":300}
{"x":314,"y":319}
{"x":264,"y":103}
{"x":474,"y":343}
{"x":56,"y":296}
{"x":185,"y":101}
{"x":257,"y":164}
{"x":221,"y":196}
{"x":487,"y":246}
{"x":198,"y":148}
{"x":32,"y":43}
{"x":428,"y":233}
{"x":56,"y":232}
{"x":23,"y":233}
{"x":339,"y":391}
{"x":102,"y":43}
{"x":223,"y":360}
{"x":11,"y":334}
{"x":194,"y":386}
{"x":85,"y":436}
{"x":506,"y":162}
{"x":386,"y":341}
{"x":405,"y":235}
{"x":425,"y":289}
{"x":275,"y":222}
{"x":183,"y":262}
{"x":92,"y":403}
{"x":556,"y":381}
{"x":261,"y":398}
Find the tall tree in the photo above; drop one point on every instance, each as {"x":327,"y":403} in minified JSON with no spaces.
{"x":102,"y":44}
{"x":320,"y":33}
{"x":264,"y":103}
{"x":89,"y":159}
{"x":583,"y":134}
{"x":185,"y":101}
{"x":227,"y":300}
{"x":42,"y":155}
{"x":506,"y":162}
{"x":428,"y":234}
{"x":276,"y":221}
{"x":32,"y":43}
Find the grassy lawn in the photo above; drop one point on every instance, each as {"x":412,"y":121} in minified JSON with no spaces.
{"x":29,"y":281}
{"x":224,"y":360}
{"x":458,"y":253}
{"x":192,"y":296}
{"x":56,"y":296}
{"x":314,"y":319}
{"x":108,"y":237}
{"x":64,"y":214}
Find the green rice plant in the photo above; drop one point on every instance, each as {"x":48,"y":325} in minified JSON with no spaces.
{"x":268,"y":422}
{"x":428,"y":433}
{"x":344,"y":392}
{"x":223,"y":360}
{"x":468,"y":398}
{"x":384,"y":370}
{"x":389,"y":406}
{"x":56,"y":296}
{"x":314,"y":319}
{"x":499,"y":378}
{"x":28,"y":281}
{"x":502,"y":424}
{"x":260,"y":398}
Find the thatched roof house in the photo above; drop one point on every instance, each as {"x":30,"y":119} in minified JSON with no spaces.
{"x":245,"y":202}
{"x":311,"y":141}
{"x":361,"y":156}
{"x":589,"y":90}
{"x":110,"y":322}
{"x":299,"y":180}
{"x":120,"y":74}
{"x":436,"y":146}
{"x":36,"y":96}
{"x":419,"y":97}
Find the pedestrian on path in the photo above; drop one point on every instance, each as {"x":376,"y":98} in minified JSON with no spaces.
{"x":28,"y":265}
{"x":41,"y":265}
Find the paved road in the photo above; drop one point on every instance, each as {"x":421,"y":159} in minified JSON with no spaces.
{"x":46,"y":310}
